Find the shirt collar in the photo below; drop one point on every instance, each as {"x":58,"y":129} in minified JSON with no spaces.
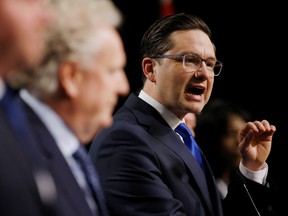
{"x":172,"y":120}
{"x":2,"y":88}
{"x":65,"y":139}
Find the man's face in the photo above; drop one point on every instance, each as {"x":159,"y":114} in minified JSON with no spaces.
{"x":229,"y":141}
{"x":174,"y":86}
{"x":22,"y":30}
{"x":103,"y":83}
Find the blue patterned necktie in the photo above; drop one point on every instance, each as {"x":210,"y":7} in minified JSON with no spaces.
{"x":190,"y":142}
{"x":91,"y":176}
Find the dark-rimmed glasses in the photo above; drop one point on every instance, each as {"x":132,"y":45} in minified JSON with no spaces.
{"x":192,"y":63}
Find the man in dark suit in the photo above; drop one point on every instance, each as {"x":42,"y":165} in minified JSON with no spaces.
{"x":143,"y":164}
{"x":71,"y":95}
{"x":22,"y":28}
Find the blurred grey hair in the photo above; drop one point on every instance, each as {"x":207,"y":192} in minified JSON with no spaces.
{"x":73,"y":37}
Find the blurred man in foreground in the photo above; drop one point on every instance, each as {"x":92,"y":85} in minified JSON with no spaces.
{"x":70,"y":96}
{"x":23,"y":25}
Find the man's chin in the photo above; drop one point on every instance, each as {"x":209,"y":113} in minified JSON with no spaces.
{"x":106,"y":121}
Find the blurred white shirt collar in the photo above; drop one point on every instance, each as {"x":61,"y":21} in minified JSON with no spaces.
{"x":2,"y":88}
{"x":65,"y":139}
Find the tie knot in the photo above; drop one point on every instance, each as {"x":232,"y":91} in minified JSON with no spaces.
{"x":183,"y":130}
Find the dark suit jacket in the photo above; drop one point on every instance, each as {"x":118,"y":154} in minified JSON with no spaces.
{"x":146,"y":170}
{"x":19,"y":195}
{"x":41,"y":151}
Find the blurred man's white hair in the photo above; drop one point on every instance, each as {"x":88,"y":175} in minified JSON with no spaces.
{"x":73,"y":37}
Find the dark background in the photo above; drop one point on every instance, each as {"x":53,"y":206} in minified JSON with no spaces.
{"x":251,"y":42}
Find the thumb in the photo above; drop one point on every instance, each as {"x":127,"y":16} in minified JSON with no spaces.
{"x":246,"y":141}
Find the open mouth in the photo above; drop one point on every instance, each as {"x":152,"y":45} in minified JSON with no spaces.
{"x":195,"y":90}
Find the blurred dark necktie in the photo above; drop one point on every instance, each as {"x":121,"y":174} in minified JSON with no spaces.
{"x":91,"y":176}
{"x":190,"y":142}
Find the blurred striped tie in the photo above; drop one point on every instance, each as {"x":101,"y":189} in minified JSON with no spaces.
{"x":91,"y":176}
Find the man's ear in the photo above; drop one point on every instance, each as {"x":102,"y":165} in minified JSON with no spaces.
{"x":69,"y":78}
{"x":148,"y":66}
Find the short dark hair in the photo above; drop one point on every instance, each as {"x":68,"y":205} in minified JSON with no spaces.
{"x":155,"y":40}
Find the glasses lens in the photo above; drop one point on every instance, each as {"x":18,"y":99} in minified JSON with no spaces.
{"x":192,"y":62}
{"x":217,"y":69}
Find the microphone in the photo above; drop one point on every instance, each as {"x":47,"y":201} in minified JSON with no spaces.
{"x":241,"y":181}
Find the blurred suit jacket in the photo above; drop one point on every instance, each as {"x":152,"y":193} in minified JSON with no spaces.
{"x":19,"y":194}
{"x":69,"y":199}
{"x":145,"y":168}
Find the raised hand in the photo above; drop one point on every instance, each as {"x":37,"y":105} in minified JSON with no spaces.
{"x":255,"y":140}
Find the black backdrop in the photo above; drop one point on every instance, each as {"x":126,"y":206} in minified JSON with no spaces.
{"x":251,"y":41}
